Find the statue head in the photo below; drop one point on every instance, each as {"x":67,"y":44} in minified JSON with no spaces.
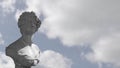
{"x":28,"y":23}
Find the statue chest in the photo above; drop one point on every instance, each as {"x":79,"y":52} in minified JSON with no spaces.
{"x":30,"y":52}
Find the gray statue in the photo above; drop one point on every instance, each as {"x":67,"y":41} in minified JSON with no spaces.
{"x":24,"y":53}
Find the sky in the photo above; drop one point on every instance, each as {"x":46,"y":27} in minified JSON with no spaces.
{"x":73,"y":34}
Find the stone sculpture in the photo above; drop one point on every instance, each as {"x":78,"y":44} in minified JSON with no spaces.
{"x":24,"y":53}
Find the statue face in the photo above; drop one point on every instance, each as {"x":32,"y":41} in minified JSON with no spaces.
{"x":28,"y":23}
{"x":29,"y":27}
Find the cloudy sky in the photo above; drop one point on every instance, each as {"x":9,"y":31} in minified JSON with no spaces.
{"x":73,"y":34}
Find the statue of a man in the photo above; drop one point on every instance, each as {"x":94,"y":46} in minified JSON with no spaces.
{"x":22,"y":51}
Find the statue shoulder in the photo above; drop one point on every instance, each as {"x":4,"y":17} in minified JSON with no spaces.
{"x":15,"y":45}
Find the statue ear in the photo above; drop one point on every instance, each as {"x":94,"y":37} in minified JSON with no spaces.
{"x":38,"y":23}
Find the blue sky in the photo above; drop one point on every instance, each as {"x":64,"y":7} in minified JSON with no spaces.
{"x":73,"y":34}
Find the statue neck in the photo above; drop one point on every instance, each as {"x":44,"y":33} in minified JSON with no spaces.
{"x":27,"y":39}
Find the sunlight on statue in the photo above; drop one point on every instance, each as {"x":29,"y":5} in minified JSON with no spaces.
{"x":24,"y":53}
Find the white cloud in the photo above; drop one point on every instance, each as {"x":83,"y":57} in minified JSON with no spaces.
{"x":18,"y":13}
{"x":7,"y":5}
{"x":1,"y":40}
{"x":52,"y":59}
{"x":106,"y":50}
{"x":5,"y":61}
{"x":79,"y":21}
{"x":32,"y":5}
